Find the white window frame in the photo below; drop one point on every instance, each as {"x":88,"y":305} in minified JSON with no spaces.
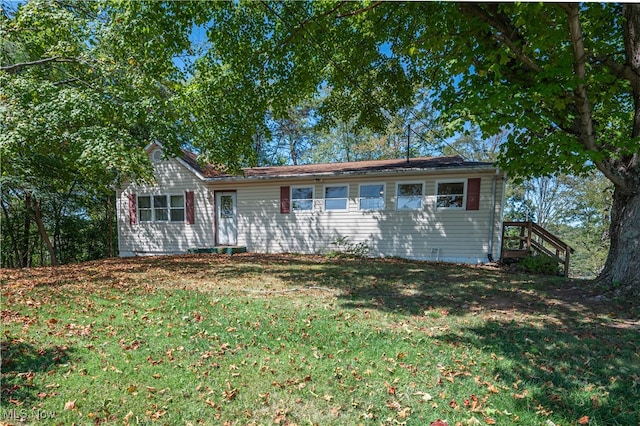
{"x":345,"y":199}
{"x":464,"y":194}
{"x":415,"y":182}
{"x":381,"y":197}
{"x":293,"y":200}
{"x":141,"y":209}
{"x":183,"y":207}
{"x":153,"y":209}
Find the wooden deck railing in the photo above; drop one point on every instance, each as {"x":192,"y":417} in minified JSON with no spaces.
{"x":531,"y":236}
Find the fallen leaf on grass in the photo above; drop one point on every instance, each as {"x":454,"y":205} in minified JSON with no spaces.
{"x":425,"y":396}
{"x":584,"y":420}
{"x":70,"y":405}
{"x":472,"y":421}
{"x":390,"y":389}
{"x":439,"y":423}
{"x":521,"y":395}
{"x":404,"y":413}
{"x":230,"y":395}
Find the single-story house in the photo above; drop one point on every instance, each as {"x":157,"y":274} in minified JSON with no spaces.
{"x":430,"y":208}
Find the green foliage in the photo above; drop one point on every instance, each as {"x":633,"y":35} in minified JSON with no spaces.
{"x":84,"y":88}
{"x":539,"y":263}
{"x":346,"y":249}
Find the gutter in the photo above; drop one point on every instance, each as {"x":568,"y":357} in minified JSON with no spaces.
{"x":346,"y":174}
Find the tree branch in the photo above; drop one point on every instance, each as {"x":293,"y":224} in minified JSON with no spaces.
{"x":508,"y":33}
{"x":581,"y":99}
{"x":14,"y":68}
{"x":359,"y":11}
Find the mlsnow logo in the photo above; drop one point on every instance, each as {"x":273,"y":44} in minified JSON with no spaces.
{"x":24,"y":415}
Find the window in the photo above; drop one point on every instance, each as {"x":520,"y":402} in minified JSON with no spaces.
{"x":160,"y":211}
{"x":336,"y":197}
{"x":144,"y":209}
{"x":372,"y":197}
{"x":176,"y":208}
{"x":450,"y":195}
{"x":410,"y":196}
{"x":302,"y":198}
{"x":161,"y":208}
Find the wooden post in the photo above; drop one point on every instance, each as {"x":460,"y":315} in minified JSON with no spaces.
{"x":529,"y":231}
{"x":566,"y":262}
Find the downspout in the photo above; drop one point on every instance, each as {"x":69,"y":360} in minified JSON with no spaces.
{"x":492,"y":214}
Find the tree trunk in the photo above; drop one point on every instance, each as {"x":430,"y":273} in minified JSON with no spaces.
{"x":110,"y":224}
{"x":43,"y":233}
{"x":622,"y":269}
{"x":24,"y":255}
{"x":8,"y":262}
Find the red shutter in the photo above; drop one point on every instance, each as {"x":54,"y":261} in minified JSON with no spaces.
{"x":285,"y":199}
{"x":190,"y":207}
{"x":133,"y":214}
{"x":473,"y":194}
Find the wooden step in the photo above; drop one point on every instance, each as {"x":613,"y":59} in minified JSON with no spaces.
{"x":514,"y":254}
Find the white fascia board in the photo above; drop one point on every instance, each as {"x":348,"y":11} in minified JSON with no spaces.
{"x":433,"y":170}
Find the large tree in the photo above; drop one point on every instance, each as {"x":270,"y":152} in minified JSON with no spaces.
{"x":564,"y":79}
{"x":84,"y":87}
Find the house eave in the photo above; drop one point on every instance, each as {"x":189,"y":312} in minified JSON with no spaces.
{"x":356,"y":173}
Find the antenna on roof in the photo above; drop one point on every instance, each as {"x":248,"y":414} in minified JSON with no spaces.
{"x":408,"y":142}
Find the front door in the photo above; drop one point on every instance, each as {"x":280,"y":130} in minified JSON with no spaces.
{"x":227,"y":226}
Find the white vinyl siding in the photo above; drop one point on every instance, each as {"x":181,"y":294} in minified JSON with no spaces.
{"x":166,"y":237}
{"x":427,"y":233}
{"x":430,"y":234}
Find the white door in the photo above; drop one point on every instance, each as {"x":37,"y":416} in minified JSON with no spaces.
{"x":227,"y":226}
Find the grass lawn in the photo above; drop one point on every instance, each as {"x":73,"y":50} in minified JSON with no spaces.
{"x":283,"y":339}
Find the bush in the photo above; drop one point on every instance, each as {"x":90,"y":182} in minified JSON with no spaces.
{"x":344,"y":248}
{"x":540,"y":264}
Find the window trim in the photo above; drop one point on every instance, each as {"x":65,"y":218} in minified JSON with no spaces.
{"x":463,"y":204}
{"x":151,"y":207}
{"x":346,"y":199}
{"x":293,"y":200}
{"x":138,"y":208}
{"x":414,"y":182}
{"x":383,"y":197}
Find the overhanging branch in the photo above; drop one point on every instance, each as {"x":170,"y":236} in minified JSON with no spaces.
{"x":583,"y":106}
{"x":14,"y":68}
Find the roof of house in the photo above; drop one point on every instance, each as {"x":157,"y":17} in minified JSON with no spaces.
{"x":210,"y":172}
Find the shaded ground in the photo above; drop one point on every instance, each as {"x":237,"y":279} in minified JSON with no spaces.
{"x":365,"y":282}
{"x":561,"y":348}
